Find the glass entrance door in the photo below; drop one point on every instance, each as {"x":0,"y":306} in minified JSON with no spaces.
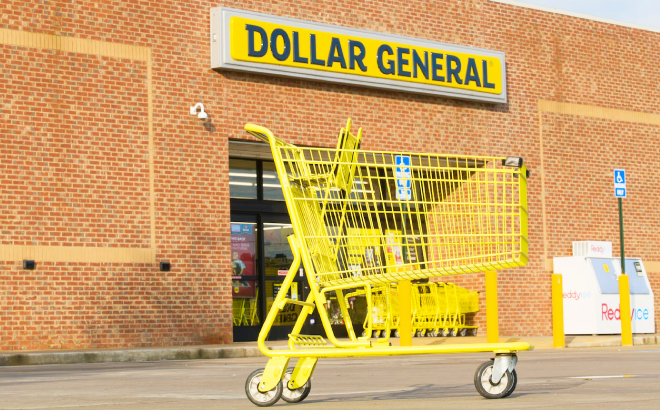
{"x":260,"y":252}
{"x":278,"y":258}
{"x":260,"y":260}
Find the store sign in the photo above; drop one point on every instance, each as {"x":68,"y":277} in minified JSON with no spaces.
{"x":247,"y":41}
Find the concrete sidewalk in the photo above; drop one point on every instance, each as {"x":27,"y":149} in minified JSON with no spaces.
{"x":250,"y":349}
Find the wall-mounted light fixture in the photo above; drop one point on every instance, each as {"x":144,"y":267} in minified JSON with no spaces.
{"x":165,"y":266}
{"x":29,"y":264}
{"x":201,"y":115}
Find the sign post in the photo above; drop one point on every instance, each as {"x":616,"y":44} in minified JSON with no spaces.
{"x":404,"y":193}
{"x":624,"y":285}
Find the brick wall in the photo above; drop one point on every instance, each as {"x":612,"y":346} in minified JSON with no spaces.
{"x":74,"y":163}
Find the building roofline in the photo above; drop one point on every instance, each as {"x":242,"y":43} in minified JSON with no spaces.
{"x":578,"y":15}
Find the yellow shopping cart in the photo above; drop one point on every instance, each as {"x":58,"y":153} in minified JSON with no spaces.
{"x":383,"y":313}
{"x":455,"y":302}
{"x":465,"y":214}
{"x":425,"y":313}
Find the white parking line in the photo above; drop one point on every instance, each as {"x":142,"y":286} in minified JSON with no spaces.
{"x":360,"y":392}
{"x":603,"y":377}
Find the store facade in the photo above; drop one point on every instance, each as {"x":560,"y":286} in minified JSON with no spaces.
{"x":106,"y":174}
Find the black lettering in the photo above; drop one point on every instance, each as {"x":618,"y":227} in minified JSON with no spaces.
{"x":312,"y":51}
{"x":454,"y":71}
{"x":435,"y":66}
{"x":400,"y":61}
{"x":381,"y":64}
{"x":484,"y":64}
{"x":336,"y":55}
{"x":296,"y":50}
{"x":472,"y":74}
{"x":278,"y":32}
{"x":417,"y":63}
{"x":356,"y":58}
{"x":264,"y":41}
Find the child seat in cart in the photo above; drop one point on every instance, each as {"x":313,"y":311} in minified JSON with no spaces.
{"x":458,"y":214}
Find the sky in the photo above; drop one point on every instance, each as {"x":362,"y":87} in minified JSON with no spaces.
{"x":644,"y":12}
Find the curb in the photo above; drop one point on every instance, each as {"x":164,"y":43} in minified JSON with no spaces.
{"x":637,"y":341}
{"x":198,"y":353}
{"x":137,"y":355}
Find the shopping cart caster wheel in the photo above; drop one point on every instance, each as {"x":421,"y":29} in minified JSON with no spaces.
{"x":488,"y":389}
{"x":441,"y":333}
{"x":513,"y":386}
{"x":261,"y":399}
{"x":396,"y":334}
{"x":376,"y":333}
{"x":364,"y":333}
{"x":432,"y":333}
{"x":297,"y":395}
{"x":451,"y":333}
{"x":462,"y":332}
{"x":474,"y":332}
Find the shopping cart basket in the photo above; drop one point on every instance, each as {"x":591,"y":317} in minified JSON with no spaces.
{"x":464,"y":214}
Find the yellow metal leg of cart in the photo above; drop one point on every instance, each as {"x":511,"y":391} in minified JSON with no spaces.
{"x":273,"y":373}
{"x":302,"y":372}
{"x":492,"y":320}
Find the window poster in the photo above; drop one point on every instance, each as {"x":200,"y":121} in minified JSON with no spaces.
{"x":243,"y":256}
{"x":364,"y":251}
{"x":393,"y":251}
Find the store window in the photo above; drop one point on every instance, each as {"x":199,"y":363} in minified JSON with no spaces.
{"x":243,"y":179}
{"x":272,"y":187}
{"x":254,"y":179}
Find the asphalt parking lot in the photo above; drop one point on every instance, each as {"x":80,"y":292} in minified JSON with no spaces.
{"x":602,"y":378}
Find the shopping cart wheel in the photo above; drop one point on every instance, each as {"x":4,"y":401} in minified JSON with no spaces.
{"x":364,"y":333}
{"x":261,"y":399}
{"x":451,"y":333}
{"x":297,"y":395}
{"x":376,"y":333}
{"x":474,"y":331}
{"x":513,"y":386}
{"x":462,"y":332}
{"x":488,"y":389}
{"x":396,"y":333}
{"x":432,"y":333}
{"x":441,"y":333}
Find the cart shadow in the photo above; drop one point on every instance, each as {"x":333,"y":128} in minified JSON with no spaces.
{"x":430,"y":391}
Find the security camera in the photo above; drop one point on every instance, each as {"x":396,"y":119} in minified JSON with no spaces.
{"x":201,"y":115}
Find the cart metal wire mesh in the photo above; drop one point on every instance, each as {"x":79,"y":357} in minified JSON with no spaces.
{"x":368,"y":217}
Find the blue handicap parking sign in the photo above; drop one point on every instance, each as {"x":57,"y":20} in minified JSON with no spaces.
{"x":619,"y":176}
{"x":620,"y":183}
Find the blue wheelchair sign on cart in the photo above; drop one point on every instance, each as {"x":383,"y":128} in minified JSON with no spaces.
{"x":403,"y":177}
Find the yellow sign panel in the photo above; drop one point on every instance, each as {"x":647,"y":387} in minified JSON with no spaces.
{"x":277,"y":44}
{"x":266,"y":44}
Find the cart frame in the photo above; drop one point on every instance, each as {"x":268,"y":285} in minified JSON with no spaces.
{"x":307,"y":348}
